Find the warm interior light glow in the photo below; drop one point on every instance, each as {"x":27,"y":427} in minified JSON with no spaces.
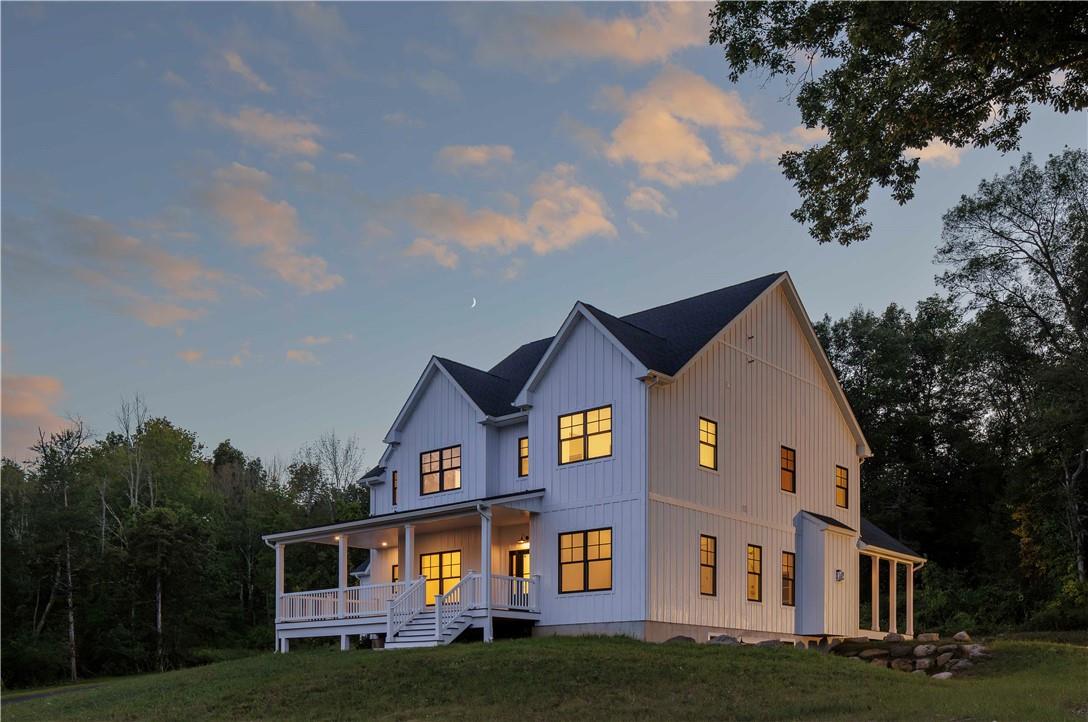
{"x":385,"y":544}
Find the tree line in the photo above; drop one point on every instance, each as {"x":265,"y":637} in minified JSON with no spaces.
{"x":140,"y":551}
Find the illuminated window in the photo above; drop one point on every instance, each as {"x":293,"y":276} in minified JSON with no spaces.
{"x":789,"y":470}
{"x":708,"y":444}
{"x":440,"y":470}
{"x":585,"y":435}
{"x":395,"y":488}
{"x":523,"y":456}
{"x":755,"y":573}
{"x":585,"y":561}
{"x":442,"y":570}
{"x":789,"y":578}
{"x":708,"y":565}
{"x":842,"y":487}
{"x":394,"y":573}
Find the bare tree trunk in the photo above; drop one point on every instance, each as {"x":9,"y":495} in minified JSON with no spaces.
{"x":71,"y":611}
{"x":39,"y":622}
{"x":1073,"y":512}
{"x":158,"y":621}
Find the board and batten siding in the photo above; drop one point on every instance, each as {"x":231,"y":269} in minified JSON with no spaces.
{"x":442,"y":417}
{"x":589,"y":371}
{"x":504,"y":474}
{"x":763,"y":385}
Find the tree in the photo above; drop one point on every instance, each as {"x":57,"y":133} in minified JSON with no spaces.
{"x":900,"y":76}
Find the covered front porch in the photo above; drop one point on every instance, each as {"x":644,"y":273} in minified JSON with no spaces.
{"x":886,"y":567}
{"x":430,"y":574}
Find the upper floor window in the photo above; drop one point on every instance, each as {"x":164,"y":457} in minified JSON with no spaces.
{"x":440,"y":470}
{"x":789,"y":470}
{"x":842,"y":487}
{"x":789,"y":578}
{"x":395,"y":487}
{"x":708,"y":443}
{"x":755,"y":573}
{"x":585,"y":435}
{"x":523,"y":456}
{"x":585,"y":561}
{"x":708,"y":565}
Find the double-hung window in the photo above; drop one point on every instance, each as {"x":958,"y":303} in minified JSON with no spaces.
{"x":585,"y":561}
{"x":708,"y":565}
{"x":585,"y":435}
{"x":440,"y":470}
{"x":842,"y":487}
{"x":789,"y":579}
{"x":395,"y":487}
{"x":789,"y":469}
{"x":755,"y":573}
{"x":523,"y":456}
{"x":708,"y":443}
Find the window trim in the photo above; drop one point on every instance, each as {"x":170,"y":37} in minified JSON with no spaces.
{"x":713,"y":566}
{"x":749,"y":572}
{"x":521,"y":457}
{"x":396,"y":483}
{"x":792,"y":579}
{"x":585,"y":560}
{"x":793,"y":471}
{"x":845,"y":488}
{"x":584,"y":437}
{"x":441,"y":471}
{"x":713,"y":446}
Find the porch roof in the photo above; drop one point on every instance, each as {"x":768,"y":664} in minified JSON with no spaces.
{"x":877,"y":539}
{"x":394,"y":519}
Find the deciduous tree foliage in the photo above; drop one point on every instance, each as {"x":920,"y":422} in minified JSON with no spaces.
{"x":888,"y":78}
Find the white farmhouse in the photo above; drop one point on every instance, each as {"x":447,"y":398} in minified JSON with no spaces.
{"x":691,"y":469}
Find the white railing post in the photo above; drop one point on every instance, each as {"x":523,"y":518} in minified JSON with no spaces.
{"x":280,"y":612}
{"x":438,"y":599}
{"x":342,"y":574}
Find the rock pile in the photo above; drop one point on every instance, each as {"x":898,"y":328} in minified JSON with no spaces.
{"x":926,"y":654}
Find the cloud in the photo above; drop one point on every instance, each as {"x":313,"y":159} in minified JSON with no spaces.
{"x":131,"y":302}
{"x":938,"y":153}
{"x":301,"y":356}
{"x":305,"y":166}
{"x":238,"y":198}
{"x":347,"y":157}
{"x":634,"y":225}
{"x":191,"y":356}
{"x":28,"y":403}
{"x":565,"y":34}
{"x":664,"y":127}
{"x":457,"y":157}
{"x":316,"y":340}
{"x":438,"y":84}
{"x":290,"y":136}
{"x":172,"y":78}
{"x":402,"y":119}
{"x":322,"y":22}
{"x":238,"y":66}
{"x":440,"y":252}
{"x":563,"y":212}
{"x":646,"y":198}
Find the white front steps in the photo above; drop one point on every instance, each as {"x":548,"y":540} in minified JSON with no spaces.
{"x":420,"y":632}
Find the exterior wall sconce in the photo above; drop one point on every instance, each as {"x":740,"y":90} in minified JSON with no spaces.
{"x":839,"y":575}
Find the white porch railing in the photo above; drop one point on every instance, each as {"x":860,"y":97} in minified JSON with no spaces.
{"x":517,"y":593}
{"x":359,"y":601}
{"x":458,"y":600}
{"x":406,"y":605}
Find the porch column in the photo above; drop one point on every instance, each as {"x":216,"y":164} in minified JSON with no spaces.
{"x":893,"y":627}
{"x":910,"y":599}
{"x":342,"y":574}
{"x":409,"y":572}
{"x":279,"y":581}
{"x":485,"y":568}
{"x":875,"y":612}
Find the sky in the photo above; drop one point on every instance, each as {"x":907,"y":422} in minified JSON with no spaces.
{"x":264,"y":219}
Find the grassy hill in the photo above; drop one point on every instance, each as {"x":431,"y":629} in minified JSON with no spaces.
{"x":587,"y":678}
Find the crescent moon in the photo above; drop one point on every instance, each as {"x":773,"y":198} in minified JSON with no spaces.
{"x":473,"y":302}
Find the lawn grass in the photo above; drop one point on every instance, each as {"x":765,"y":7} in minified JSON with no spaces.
{"x":586,"y":678}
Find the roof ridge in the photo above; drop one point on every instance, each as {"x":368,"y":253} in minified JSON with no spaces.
{"x":624,"y":320}
{"x":443,"y":359}
{"x":698,"y":295}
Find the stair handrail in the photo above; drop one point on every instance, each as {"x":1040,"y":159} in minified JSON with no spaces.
{"x":405,"y":606}
{"x":453,"y":604}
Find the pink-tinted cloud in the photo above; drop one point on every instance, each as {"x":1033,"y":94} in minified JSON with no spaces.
{"x":427,"y":248}
{"x":301,"y":356}
{"x":316,"y":340}
{"x":238,"y":198}
{"x":238,"y":66}
{"x":29,"y":404}
{"x":191,"y":356}
{"x":647,"y":198}
{"x":458,"y":157}
{"x":938,"y":153}
{"x":280,"y":133}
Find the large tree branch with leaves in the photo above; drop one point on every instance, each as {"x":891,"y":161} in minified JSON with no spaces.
{"x":898,"y":77}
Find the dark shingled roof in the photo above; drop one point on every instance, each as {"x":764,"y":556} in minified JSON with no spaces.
{"x":373,"y":473}
{"x":829,"y":520}
{"x":662,"y":338}
{"x":873,"y":535}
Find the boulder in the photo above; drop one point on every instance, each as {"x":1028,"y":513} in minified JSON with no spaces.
{"x":901,"y":650}
{"x":948,"y":648}
{"x":918,"y":671}
{"x":858,"y":640}
{"x":723,"y":639}
{"x":974,"y":650}
{"x":942,"y":675}
{"x":893,"y":637}
{"x":960,"y":665}
{"x":680,"y":639}
{"x":927,"y":637}
{"x":769,"y":643}
{"x":925,"y":650}
{"x":903,"y":665}
{"x":848,"y":653}
{"x":923,"y":663}
{"x":872,"y":653}
{"x":961,"y":637}
{"x":878,"y":662}
{"x":944,"y":659}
